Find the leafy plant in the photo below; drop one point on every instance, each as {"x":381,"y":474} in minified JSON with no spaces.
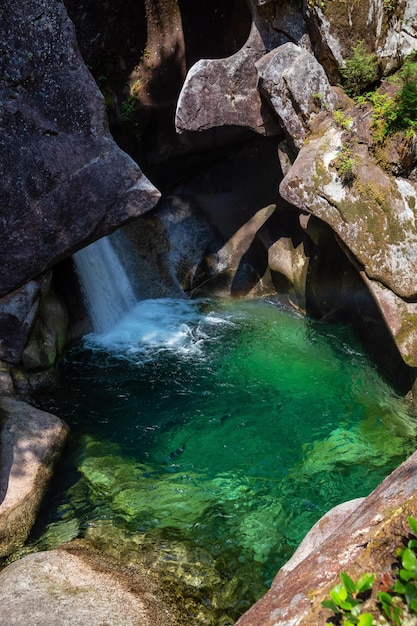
{"x":127,"y":108}
{"x":359,"y":71}
{"x":396,"y":112}
{"x":346,"y":598}
{"x":341,"y":119}
{"x":404,"y":590}
{"x":345,"y":164}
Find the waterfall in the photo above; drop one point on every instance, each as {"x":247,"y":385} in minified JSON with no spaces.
{"x":106,"y":287}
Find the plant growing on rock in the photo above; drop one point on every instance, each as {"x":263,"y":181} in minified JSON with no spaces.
{"x":347,"y":597}
{"x":398,"y":603}
{"x":345,"y":164}
{"x":359,"y":71}
{"x":405,"y":587}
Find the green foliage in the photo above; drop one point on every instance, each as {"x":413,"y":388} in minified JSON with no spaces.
{"x":359,"y":71}
{"x":397,"y":112}
{"x":341,"y":119}
{"x":346,"y":598}
{"x":345,"y":164}
{"x":389,"y":6}
{"x":127,"y":108}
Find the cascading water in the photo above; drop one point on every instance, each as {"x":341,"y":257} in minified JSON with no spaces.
{"x":210,"y":435}
{"x":106,"y":287}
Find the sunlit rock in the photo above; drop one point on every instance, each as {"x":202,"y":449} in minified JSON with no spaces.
{"x":373,"y":213}
{"x":366,"y":541}
{"x":297,"y":87}
{"x":54,"y":585}
{"x":224,"y":92}
{"x":31,"y":442}
{"x":387,"y":28}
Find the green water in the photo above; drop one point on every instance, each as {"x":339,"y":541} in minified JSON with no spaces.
{"x":208,"y":437}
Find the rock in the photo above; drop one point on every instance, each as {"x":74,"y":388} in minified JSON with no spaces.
{"x":18,"y":313}
{"x":365,"y":542}
{"x":46,"y":343}
{"x":69,"y":183}
{"x":373,"y":214}
{"x":61,"y":588}
{"x":297,"y":88}
{"x":322,"y":530}
{"x":31,"y":442}
{"x":400,"y":317}
{"x":388,"y":30}
{"x":223,"y":92}
{"x":175,"y":239}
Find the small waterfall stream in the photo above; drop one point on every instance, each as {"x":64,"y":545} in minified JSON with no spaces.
{"x":106,"y":287}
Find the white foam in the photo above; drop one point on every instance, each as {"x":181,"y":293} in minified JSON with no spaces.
{"x":155,"y":325}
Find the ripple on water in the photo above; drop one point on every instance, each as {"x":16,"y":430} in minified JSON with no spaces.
{"x":209,"y":436}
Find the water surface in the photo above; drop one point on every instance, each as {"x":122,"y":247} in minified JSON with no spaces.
{"x":209,"y":436}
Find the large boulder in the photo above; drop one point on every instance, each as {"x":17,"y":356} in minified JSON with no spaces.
{"x":62,"y":588}
{"x":373,"y":215}
{"x":31,"y":442}
{"x":64,"y":180}
{"x":296,"y":86}
{"x":223,"y":92}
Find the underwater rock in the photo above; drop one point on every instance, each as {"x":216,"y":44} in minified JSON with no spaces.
{"x":58,"y":587}
{"x":365,"y":542}
{"x":31,"y":442}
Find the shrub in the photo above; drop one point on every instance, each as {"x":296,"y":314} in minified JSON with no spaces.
{"x":359,"y":71}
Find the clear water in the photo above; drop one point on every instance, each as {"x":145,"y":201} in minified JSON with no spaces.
{"x":209,"y":436}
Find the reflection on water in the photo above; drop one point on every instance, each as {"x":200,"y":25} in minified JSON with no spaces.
{"x":209,"y":436}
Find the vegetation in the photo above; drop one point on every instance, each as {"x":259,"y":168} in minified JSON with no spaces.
{"x":401,"y":599}
{"x":346,"y":599}
{"x":359,"y":71}
{"x":396,"y":112}
{"x":345,"y":164}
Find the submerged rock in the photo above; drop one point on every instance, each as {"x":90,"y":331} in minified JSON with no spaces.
{"x":61,"y":588}
{"x":365,"y":542}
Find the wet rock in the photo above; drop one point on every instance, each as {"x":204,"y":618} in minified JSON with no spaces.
{"x":31,"y":442}
{"x":365,"y":542}
{"x":59,"y":587}
{"x":65,"y":181}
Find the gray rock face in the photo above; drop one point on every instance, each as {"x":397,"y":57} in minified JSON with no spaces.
{"x":64,"y":181}
{"x":297,"y":87}
{"x":388,"y":29}
{"x":223,"y":92}
{"x":18,"y":312}
{"x":375,"y":218}
{"x":60,"y":588}
{"x":30,"y":443}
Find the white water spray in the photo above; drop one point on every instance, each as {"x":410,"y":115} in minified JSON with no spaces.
{"x":106,"y":287}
